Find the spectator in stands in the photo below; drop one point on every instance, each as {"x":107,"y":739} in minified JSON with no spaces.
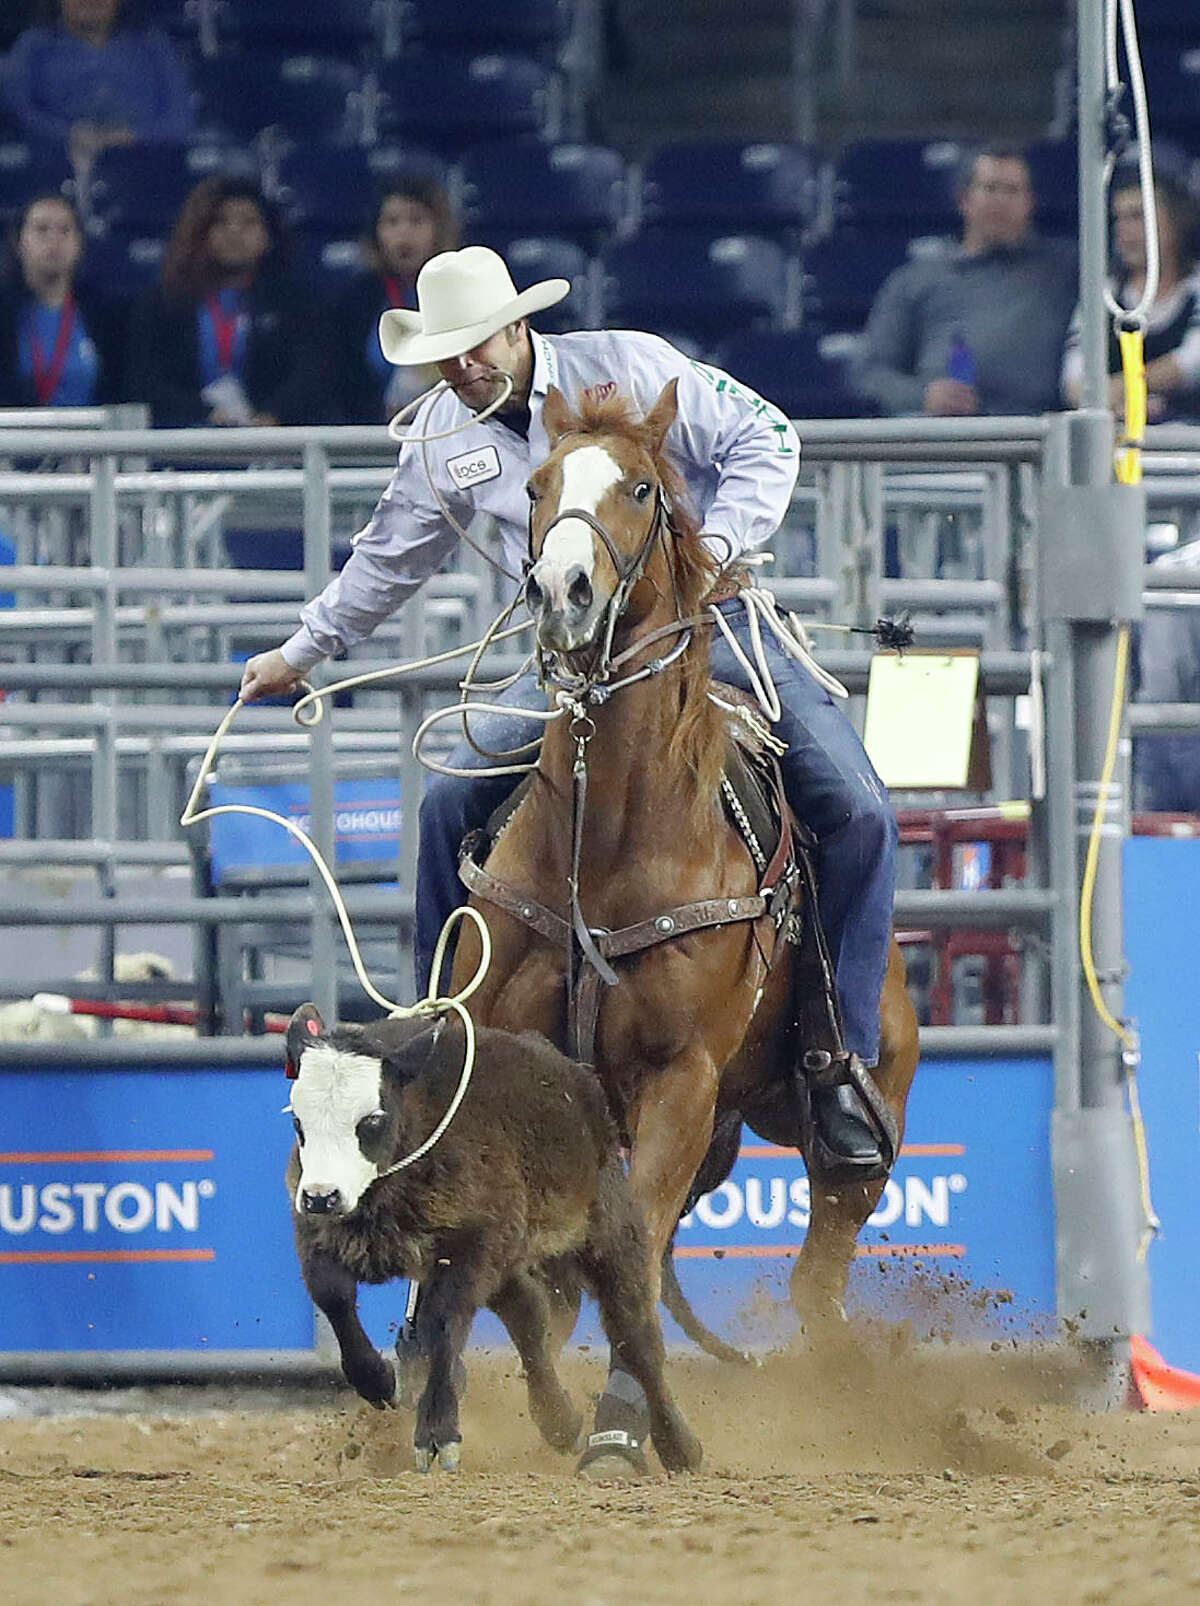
{"x":227,"y":338}
{"x":413,"y":220}
{"x":59,"y":343}
{"x":980,"y":328}
{"x":1173,"y":320}
{"x":90,"y":79}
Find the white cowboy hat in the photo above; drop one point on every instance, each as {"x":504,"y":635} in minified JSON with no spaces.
{"x":463,"y":298}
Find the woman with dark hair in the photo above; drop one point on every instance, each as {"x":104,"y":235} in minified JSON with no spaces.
{"x":1173,"y":319}
{"x":226,"y":338}
{"x":89,"y":78}
{"x":58,"y":341}
{"x":413,"y":220}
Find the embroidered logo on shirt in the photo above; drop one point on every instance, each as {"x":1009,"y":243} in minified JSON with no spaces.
{"x":471,"y":468}
{"x":599,"y":393}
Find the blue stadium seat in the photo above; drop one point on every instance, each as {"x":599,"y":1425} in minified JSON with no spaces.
{"x":1054,"y":170}
{"x":123,"y":265}
{"x":758,"y":188}
{"x":843,"y":273}
{"x":802,"y":371}
{"x":333,"y":188}
{"x":28,"y":169}
{"x":905,"y":183}
{"x":536,"y":257}
{"x":1173,"y":88}
{"x":140,"y":188}
{"x":475,"y":25}
{"x":310,"y":27}
{"x":686,"y":281}
{"x":576,"y":192}
{"x":305,"y":97}
{"x":451,"y":102}
{"x":326,"y":264}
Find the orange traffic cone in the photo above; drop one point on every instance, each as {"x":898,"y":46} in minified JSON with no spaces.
{"x":1162,"y":1387}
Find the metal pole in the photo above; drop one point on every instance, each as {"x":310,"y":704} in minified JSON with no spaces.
{"x":317,"y":560}
{"x":1092,"y":540}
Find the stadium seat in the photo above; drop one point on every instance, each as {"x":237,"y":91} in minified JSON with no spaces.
{"x":29,"y":169}
{"x":1054,"y":170}
{"x":576,"y":192}
{"x":325,"y":264}
{"x":317,"y":27}
{"x":843,"y":273}
{"x":304,"y":97}
{"x":684,"y":280}
{"x":123,"y":265}
{"x":140,"y":188}
{"x":900,"y":183}
{"x":1173,"y":88}
{"x":451,"y":102}
{"x":758,"y":188}
{"x":332,"y":188}
{"x":474,"y":25}
{"x":534,"y":258}
{"x":800,"y":370}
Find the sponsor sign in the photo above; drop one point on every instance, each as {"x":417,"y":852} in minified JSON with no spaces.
{"x":145,"y":1210}
{"x":366,"y":824}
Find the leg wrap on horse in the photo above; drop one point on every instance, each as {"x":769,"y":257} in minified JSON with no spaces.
{"x":622,"y":1425}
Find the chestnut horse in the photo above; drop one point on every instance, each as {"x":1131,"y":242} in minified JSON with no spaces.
{"x":699,"y":1034}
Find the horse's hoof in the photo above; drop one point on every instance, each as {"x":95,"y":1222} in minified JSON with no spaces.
{"x":613,"y":1457}
{"x":450,"y":1456}
{"x":423,"y":1457}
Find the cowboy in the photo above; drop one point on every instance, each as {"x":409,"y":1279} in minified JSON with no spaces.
{"x":740,"y":457}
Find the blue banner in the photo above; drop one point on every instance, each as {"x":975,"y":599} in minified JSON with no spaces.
{"x":146,"y":1210}
{"x":366,"y":824}
{"x":1162,"y":942}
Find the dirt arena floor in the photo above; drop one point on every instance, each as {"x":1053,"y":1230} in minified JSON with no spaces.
{"x":900,"y":1473}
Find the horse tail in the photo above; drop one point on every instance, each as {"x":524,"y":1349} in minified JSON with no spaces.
{"x":681,"y":1312}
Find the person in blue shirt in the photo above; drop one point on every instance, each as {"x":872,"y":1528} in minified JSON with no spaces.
{"x":413,"y":220}
{"x":90,"y":79}
{"x":227,"y":338}
{"x":59,"y":342}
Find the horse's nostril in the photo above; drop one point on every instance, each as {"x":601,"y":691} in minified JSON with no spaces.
{"x":579,"y":590}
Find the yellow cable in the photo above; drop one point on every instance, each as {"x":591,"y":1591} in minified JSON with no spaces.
{"x":1133,"y":367}
{"x":1128,"y":467}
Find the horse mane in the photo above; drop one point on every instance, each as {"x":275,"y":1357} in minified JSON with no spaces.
{"x":699,"y":737}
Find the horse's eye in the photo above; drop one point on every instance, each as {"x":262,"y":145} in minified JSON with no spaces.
{"x":642,"y":490}
{"x":299,"y":1130}
{"x":531,"y":493}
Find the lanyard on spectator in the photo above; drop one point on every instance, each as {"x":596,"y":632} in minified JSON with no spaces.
{"x":48,"y":375}
{"x":395,"y":290}
{"x":225,"y":328}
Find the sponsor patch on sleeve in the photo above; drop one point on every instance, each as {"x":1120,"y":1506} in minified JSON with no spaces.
{"x":472,"y":468}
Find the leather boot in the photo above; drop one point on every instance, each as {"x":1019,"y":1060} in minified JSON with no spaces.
{"x":846,"y":1139}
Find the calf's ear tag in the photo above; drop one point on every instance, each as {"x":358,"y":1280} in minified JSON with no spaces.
{"x":313,"y":1027}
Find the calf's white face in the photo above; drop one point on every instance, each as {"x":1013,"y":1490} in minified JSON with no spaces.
{"x":337,"y":1107}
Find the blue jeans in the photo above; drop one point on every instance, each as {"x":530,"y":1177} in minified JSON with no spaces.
{"x":829,"y":783}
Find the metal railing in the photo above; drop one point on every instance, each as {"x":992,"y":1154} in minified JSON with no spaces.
{"x":117,"y":669}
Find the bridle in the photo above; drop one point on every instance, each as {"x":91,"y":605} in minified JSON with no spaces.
{"x":629,"y":571}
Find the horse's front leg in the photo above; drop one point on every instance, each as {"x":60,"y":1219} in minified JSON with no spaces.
{"x":818,"y":1283}
{"x":670,"y":1127}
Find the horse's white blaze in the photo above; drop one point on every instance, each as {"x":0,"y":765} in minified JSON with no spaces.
{"x":332,"y":1093}
{"x":588,"y":474}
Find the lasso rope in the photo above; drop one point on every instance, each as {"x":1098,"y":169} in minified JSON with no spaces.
{"x":433,"y":1004}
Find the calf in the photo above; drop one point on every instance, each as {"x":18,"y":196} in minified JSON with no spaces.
{"x":523,"y":1196}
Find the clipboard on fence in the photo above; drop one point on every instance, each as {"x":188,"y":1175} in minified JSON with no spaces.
{"x":926,"y":728}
